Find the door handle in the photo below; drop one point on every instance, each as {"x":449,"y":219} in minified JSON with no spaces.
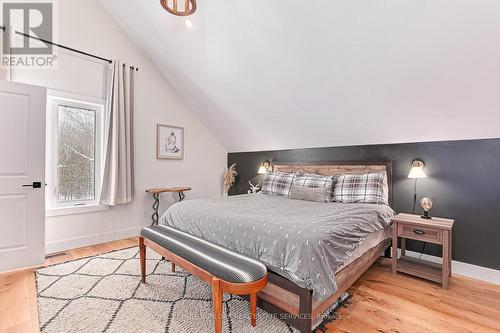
{"x":34,"y":185}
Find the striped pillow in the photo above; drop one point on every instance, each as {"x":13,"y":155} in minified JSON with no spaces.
{"x":278,"y":183}
{"x":360,"y":188}
{"x":314,"y":181}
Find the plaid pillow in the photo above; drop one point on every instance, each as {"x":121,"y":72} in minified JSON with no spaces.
{"x":316,"y":181}
{"x":360,"y":188}
{"x":278,"y":183}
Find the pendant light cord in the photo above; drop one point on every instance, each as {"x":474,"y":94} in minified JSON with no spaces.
{"x":414,"y":196}
{"x":413,"y":212}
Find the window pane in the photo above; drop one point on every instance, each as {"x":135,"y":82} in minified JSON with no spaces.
{"x":76,"y":154}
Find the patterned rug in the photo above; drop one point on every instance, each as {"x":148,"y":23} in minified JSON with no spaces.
{"x":104,"y":294}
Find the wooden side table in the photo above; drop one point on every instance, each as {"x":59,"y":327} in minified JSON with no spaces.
{"x":156,"y":196}
{"x":436,"y":231}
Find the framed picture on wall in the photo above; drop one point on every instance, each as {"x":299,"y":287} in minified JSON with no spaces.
{"x":169,"y":142}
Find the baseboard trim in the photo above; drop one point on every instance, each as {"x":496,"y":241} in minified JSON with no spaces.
{"x":462,"y":268}
{"x":76,"y":242}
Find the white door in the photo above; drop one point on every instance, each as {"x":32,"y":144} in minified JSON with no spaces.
{"x":22,"y":170}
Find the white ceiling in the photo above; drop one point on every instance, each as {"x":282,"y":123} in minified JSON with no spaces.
{"x":287,"y":73}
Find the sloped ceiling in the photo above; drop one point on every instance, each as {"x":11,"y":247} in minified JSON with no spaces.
{"x":287,"y":73}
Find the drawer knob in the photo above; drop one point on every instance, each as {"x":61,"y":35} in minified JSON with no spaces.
{"x":419,"y":232}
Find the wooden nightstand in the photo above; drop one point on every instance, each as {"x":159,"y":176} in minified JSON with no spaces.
{"x":437,"y":231}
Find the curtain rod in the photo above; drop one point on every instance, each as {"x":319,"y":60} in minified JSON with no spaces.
{"x":65,"y":47}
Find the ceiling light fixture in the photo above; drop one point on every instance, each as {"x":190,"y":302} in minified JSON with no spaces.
{"x":188,"y":23}
{"x":179,"y":7}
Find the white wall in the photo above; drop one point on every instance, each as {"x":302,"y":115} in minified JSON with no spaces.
{"x":295,"y":73}
{"x":85,"y":25}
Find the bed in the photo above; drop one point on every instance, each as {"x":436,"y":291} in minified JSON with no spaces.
{"x":314,"y":251}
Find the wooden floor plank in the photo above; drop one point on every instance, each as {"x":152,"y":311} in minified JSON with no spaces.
{"x":382,"y":302}
{"x":18,"y":302}
{"x":452,"y":307}
{"x":385,"y":302}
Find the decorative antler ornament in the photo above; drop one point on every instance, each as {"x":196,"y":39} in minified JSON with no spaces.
{"x":173,"y":7}
{"x":253,"y":188}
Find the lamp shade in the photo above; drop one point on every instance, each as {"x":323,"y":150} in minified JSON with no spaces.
{"x":262,"y":170}
{"x":417,"y":170}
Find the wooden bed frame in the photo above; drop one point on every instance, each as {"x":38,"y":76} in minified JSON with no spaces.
{"x":295,"y":305}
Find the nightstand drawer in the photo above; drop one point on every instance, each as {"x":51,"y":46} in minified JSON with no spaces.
{"x":427,"y":234}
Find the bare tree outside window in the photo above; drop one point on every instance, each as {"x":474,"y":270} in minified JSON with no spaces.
{"x":76,"y":154}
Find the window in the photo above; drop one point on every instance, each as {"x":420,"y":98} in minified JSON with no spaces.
{"x":74,"y":151}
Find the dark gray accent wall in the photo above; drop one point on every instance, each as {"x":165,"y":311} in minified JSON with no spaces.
{"x":463,"y":181}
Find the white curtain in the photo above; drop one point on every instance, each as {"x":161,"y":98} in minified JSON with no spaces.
{"x":118,"y":176}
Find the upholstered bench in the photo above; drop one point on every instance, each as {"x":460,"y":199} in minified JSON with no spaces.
{"x":225,"y":270}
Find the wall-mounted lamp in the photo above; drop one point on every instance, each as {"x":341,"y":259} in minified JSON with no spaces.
{"x":264,"y":168}
{"x":417,"y":171}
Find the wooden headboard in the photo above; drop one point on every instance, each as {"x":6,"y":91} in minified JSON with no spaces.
{"x":337,"y":168}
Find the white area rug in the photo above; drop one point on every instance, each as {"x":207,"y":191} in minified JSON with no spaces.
{"x":104,"y":294}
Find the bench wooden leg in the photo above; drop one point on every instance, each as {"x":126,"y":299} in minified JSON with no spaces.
{"x":142,"y":255}
{"x":253,"y":309}
{"x":173,"y":268}
{"x":217,"y":299}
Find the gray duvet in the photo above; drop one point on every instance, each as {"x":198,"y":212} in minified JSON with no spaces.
{"x":303,"y":241}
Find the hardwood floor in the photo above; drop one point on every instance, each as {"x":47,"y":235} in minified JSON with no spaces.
{"x":384,"y":302}
{"x":381,"y":302}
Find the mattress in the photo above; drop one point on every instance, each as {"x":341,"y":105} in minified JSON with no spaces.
{"x":305,"y":242}
{"x":370,"y":242}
